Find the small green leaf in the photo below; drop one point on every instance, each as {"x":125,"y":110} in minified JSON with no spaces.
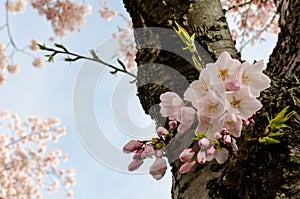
{"x":277,"y":124}
{"x":51,"y":58}
{"x":94,"y":55}
{"x":200,"y":135}
{"x":268,"y":140}
{"x":276,"y":134}
{"x":197,"y":63}
{"x":42,"y":47}
{"x":60,"y":46}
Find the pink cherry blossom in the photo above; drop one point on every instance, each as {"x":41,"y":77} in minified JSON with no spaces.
{"x":228,"y":68}
{"x":253,"y":77}
{"x":212,"y":105}
{"x":232,"y":123}
{"x":186,"y":117}
{"x":170,"y":103}
{"x":106,"y":13}
{"x":34,"y":46}
{"x":210,"y":153}
{"x":65,"y":16}
{"x":244,"y":103}
{"x":16,"y":6}
{"x":25,"y":167}
{"x":38,"y":62}
{"x":221,"y":155}
{"x":13,"y":69}
{"x":208,"y":126}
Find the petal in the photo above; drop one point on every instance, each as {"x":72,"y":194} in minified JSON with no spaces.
{"x":158,"y":168}
{"x":204,"y":143}
{"x":187,"y":155}
{"x":187,"y":167}
{"x":170,"y":103}
{"x":201,"y":157}
{"x":135,"y":164}
{"x":221,"y":156}
{"x":160,"y":131}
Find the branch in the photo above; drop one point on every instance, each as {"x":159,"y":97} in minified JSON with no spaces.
{"x":95,"y":58}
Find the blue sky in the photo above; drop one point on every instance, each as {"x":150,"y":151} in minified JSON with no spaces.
{"x":48,"y":92}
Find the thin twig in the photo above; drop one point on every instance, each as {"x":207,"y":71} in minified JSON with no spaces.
{"x":78,"y":57}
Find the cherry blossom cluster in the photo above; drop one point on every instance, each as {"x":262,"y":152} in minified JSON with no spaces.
{"x":27,"y":167}
{"x":151,"y":149}
{"x":65,"y":16}
{"x":124,"y":37}
{"x":208,"y":149}
{"x":15,"y":6}
{"x":252,"y":18}
{"x":106,"y":13}
{"x":5,"y":66}
{"x":38,"y":62}
{"x":127,"y":46}
{"x":223,"y":99}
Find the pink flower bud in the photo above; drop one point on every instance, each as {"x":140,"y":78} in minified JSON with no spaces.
{"x":161,"y":131}
{"x":233,"y":86}
{"x":158,"y":153}
{"x":211,"y":150}
{"x":246,"y":122}
{"x":158,"y":168}
{"x":252,"y":121}
{"x":204,"y":143}
{"x":187,"y":167}
{"x":235,"y":148}
{"x":187,"y":155}
{"x":227,"y":139}
{"x":224,"y":131}
{"x":132,"y":146}
{"x":173,"y":124}
{"x":135,"y":164}
{"x":148,"y":151}
{"x":218,"y":135}
{"x":138,"y":154}
{"x":201,"y":157}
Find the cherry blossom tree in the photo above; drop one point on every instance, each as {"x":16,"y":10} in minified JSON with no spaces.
{"x":221,"y":127}
{"x":257,"y":170}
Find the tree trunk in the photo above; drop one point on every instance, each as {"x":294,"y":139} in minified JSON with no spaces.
{"x":256,"y":171}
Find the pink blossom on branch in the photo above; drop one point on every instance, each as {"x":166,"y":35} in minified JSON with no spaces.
{"x":25,"y":161}
{"x":106,"y":13}
{"x":252,"y":18}
{"x":15,"y":6}
{"x":65,"y":16}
